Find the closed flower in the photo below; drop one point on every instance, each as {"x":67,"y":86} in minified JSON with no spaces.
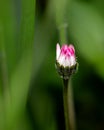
{"x":65,"y":60}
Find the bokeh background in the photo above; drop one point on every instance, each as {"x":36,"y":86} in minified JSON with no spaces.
{"x":30,"y":88}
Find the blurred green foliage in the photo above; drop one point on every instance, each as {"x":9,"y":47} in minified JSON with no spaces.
{"x":30,"y":88}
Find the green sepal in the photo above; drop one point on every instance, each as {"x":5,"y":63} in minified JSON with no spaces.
{"x":66,"y":72}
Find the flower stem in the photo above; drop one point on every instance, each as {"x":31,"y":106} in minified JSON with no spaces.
{"x":65,"y":100}
{"x":68,"y":106}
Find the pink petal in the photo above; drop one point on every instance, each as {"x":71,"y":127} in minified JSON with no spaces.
{"x":64,"y":49}
{"x":72,"y":50}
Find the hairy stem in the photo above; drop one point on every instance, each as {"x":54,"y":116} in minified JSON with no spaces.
{"x":68,"y":107}
{"x":65,"y":100}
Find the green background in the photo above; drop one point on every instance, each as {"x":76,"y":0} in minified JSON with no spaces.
{"x":30,"y":88}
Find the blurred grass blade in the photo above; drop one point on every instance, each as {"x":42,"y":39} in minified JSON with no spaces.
{"x":60,"y":11}
{"x":60,"y":8}
{"x":7,"y":19}
{"x":26,"y":30}
{"x":6,"y":44}
{"x":20,"y":83}
{"x":20,"y":79}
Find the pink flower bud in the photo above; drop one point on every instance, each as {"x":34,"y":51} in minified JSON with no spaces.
{"x":65,"y":60}
{"x":65,"y":55}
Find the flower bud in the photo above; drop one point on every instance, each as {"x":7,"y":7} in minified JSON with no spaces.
{"x":66,"y":63}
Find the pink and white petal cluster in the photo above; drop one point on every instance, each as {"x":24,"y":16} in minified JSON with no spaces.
{"x":65,"y":55}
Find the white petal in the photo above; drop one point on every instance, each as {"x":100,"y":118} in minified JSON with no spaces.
{"x":73,"y":61}
{"x":67,"y":62}
{"x":61,"y":59}
{"x":58,"y":50}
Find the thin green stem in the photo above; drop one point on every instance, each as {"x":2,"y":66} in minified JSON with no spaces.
{"x":72,"y":120}
{"x":63,"y":33}
{"x":65,"y":100}
{"x":68,"y":106}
